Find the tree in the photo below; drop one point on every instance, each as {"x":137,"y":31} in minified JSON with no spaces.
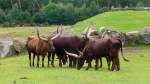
{"x":2,"y":16}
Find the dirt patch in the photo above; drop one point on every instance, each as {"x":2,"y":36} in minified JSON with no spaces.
{"x":132,"y":50}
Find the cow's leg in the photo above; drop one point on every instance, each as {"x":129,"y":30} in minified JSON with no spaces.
{"x":38,"y":59}
{"x":48,"y":57}
{"x":108,"y":63}
{"x":117,"y":64}
{"x":60,"y":63}
{"x":88,"y":66}
{"x":52,"y":62}
{"x":43,"y":60}
{"x":100,"y":59}
{"x":74,"y":62}
{"x":33,"y":59}
{"x":89,"y":62}
{"x":113,"y":64}
{"x":70,"y":61}
{"x":97,"y":64}
{"x":29,"y":58}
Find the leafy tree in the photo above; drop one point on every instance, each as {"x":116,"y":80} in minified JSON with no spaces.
{"x":39,"y":17}
{"x":2,"y":16}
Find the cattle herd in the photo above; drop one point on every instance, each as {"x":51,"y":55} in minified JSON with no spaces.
{"x":78,"y":50}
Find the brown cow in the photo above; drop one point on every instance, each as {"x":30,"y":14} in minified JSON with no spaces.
{"x":95,"y":49}
{"x":39,"y":46}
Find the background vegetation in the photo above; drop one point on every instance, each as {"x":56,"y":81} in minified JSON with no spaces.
{"x":59,"y":11}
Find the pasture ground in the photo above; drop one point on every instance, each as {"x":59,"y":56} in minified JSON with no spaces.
{"x":15,"y":70}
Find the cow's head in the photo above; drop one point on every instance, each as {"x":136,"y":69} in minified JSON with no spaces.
{"x":80,"y":58}
{"x":49,"y":40}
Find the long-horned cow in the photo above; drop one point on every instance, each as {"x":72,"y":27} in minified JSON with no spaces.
{"x":97,"y":48}
{"x":72,"y":44}
{"x":39,"y":46}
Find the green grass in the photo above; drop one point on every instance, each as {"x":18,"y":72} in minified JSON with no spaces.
{"x":24,"y":31}
{"x":123,"y":21}
{"x":28,"y":31}
{"x":136,"y":71}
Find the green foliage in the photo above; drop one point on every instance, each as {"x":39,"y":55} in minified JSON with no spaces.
{"x":52,"y":13}
{"x":2,"y":16}
{"x":61,"y":11}
{"x":16,"y":15}
{"x":140,"y":4}
{"x":39,"y":17}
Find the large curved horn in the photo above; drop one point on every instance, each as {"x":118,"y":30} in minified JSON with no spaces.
{"x":57,"y":29}
{"x":80,"y":53}
{"x":103,"y":34}
{"x":38,"y":34}
{"x":86,"y":30}
{"x":71,"y":54}
{"x":52,"y":33}
{"x":57,"y":35}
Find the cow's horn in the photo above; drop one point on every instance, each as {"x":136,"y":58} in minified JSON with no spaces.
{"x":38,"y":34}
{"x":80,"y":53}
{"x":71,"y":54}
{"x":57,"y":35}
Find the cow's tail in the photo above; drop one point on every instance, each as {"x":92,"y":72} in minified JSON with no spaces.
{"x":122,"y":52}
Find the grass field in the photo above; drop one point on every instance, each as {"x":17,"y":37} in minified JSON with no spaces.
{"x":15,"y":70}
{"x":123,"y":21}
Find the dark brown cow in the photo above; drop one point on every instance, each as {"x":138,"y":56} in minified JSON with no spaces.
{"x":39,"y":46}
{"x":115,"y":48}
{"x":71,"y":44}
{"x":97,"y":48}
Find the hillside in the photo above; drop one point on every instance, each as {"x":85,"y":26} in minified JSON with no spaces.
{"x":123,"y":21}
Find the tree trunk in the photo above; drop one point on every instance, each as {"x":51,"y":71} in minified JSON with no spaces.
{"x":109,"y":4}
{"x":11,"y":1}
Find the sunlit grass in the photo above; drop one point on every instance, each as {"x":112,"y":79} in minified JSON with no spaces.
{"x":123,"y":21}
{"x":136,"y":71}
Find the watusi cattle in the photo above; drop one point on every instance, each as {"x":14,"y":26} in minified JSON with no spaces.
{"x":95,"y":49}
{"x":39,"y":46}
{"x":72,"y":44}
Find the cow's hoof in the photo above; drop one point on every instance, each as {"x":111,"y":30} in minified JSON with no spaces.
{"x":53,"y":66}
{"x":117,"y":69}
{"x":112,"y":70}
{"x":60,"y":66}
{"x":86,"y":69}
